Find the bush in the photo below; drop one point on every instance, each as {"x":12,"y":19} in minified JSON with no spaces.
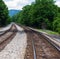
{"x":3,"y":13}
{"x":56,"y":25}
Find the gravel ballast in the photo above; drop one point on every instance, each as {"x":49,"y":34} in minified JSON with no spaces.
{"x":16,"y":48}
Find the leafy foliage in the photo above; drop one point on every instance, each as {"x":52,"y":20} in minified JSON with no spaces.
{"x":56,"y":23}
{"x":40,"y":14}
{"x":3,"y":13}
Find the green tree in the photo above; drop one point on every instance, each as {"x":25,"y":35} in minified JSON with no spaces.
{"x":40,"y":14}
{"x":56,"y":23}
{"x":45,"y":9}
{"x":3,"y":13}
{"x":25,"y":15}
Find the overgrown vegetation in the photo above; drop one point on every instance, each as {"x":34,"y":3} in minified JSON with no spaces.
{"x":48,"y":32}
{"x":3,"y":13}
{"x":43,"y":14}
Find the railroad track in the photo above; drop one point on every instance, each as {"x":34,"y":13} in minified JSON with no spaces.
{"x":38,"y":47}
{"x":7,"y":36}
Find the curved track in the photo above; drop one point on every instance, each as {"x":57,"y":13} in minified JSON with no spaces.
{"x":38,"y":47}
{"x":7,"y":36}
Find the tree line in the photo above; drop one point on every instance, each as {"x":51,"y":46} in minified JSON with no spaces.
{"x":42,"y":14}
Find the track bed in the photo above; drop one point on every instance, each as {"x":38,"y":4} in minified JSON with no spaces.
{"x":7,"y":36}
{"x":38,"y":47}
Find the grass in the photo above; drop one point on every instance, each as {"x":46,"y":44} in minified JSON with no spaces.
{"x":49,"y":32}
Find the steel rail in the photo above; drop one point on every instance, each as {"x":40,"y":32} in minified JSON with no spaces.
{"x":51,"y":42}
{"x":34,"y":50}
{"x":6,"y":40}
{"x":48,"y":39}
{"x":54,"y":44}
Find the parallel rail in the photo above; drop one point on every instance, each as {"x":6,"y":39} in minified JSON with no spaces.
{"x":54,"y":46}
{"x":48,"y":39}
{"x":53,"y":43}
{"x":7,"y":36}
{"x":43,"y":55}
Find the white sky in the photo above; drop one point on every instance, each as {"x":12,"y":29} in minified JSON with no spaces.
{"x":18,"y":4}
{"x":58,"y":2}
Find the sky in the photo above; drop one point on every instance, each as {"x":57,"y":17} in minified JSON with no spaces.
{"x":18,"y":4}
{"x":58,"y":2}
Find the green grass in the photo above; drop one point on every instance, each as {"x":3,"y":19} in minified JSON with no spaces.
{"x":49,"y":32}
